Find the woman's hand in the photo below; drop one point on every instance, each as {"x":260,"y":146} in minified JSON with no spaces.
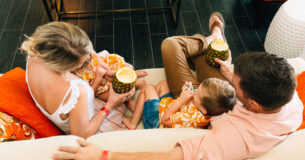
{"x":116,"y":99}
{"x":87,"y":151}
{"x":186,"y":93}
{"x":225,"y":67}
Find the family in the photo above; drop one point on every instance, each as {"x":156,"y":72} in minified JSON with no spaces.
{"x":248,"y":109}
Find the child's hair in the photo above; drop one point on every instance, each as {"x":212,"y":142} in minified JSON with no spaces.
{"x":220,"y":96}
{"x":59,"y":45}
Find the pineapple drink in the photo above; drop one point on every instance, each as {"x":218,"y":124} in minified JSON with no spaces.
{"x":124,"y":80}
{"x":217,"y":49}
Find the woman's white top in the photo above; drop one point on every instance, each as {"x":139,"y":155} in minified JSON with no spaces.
{"x":69,"y":105}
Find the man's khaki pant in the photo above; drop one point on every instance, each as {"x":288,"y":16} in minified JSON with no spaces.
{"x":180,"y":54}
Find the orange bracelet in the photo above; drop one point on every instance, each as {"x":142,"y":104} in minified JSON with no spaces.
{"x":104,"y":109}
{"x":105,"y":155}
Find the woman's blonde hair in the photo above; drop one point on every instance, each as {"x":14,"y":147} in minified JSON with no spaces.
{"x":220,"y":96}
{"x":59,"y":45}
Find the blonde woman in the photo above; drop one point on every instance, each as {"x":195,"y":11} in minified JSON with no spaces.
{"x":54,"y":51}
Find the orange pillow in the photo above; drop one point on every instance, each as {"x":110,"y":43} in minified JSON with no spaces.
{"x":16,"y":100}
{"x":301,"y":93}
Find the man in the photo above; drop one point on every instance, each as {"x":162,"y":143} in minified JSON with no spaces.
{"x":269,"y":108}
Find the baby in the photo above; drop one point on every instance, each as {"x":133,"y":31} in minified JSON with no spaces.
{"x":191,"y":109}
{"x":113,"y":62}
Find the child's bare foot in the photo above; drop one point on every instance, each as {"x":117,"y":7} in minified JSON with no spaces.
{"x":141,"y":73}
{"x":128,"y":123}
{"x":140,"y":83}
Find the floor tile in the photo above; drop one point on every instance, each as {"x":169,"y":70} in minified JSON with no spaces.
{"x":121,"y":4}
{"x":204,"y":10}
{"x":223,"y":10}
{"x":88,"y":24}
{"x":5,"y":7}
{"x":137,"y":36}
{"x":8,"y":44}
{"x":187,"y":5}
{"x":104,"y":24}
{"x":141,"y":47}
{"x":104,"y":43}
{"x":123,"y":40}
{"x":20,"y":57}
{"x":248,"y":35}
{"x":235,"y":43}
{"x":191,"y":23}
{"x":104,"y":4}
{"x":156,"y":22}
{"x":138,"y":16}
{"x":16,"y":19}
{"x":236,"y":8}
{"x":34,"y":17}
{"x":156,"y":41}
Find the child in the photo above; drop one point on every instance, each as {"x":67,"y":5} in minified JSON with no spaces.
{"x":192,"y":109}
{"x":113,"y":62}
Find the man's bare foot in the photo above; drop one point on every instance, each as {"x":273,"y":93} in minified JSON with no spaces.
{"x":216,"y":27}
{"x":131,"y":104}
{"x":128,"y":123}
{"x":140,"y":83}
{"x":141,"y":73}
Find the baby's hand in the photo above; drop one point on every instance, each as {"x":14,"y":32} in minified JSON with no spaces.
{"x":186,"y":93}
{"x":101,"y":63}
{"x":100,"y":72}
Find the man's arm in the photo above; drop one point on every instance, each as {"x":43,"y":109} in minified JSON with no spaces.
{"x":174,"y":154}
{"x":225,"y":68}
{"x":88,"y":150}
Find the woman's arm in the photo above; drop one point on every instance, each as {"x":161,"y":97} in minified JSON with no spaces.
{"x":183,"y":99}
{"x":80,"y":124}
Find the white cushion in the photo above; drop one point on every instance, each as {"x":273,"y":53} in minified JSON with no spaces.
{"x":154,"y":140}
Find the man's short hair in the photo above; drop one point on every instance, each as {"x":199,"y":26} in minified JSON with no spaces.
{"x":266,"y":78}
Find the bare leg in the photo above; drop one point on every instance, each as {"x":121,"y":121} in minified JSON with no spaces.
{"x":178,"y":49}
{"x":103,"y":96}
{"x":162,"y":88}
{"x":147,"y":93}
{"x":141,"y":73}
{"x":140,"y":83}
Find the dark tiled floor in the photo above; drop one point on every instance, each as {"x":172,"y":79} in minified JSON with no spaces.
{"x":137,"y":36}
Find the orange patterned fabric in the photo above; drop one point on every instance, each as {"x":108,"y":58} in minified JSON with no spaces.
{"x":16,"y":101}
{"x":187,"y":117}
{"x":301,"y":93}
{"x":12,"y":129}
{"x":114,"y":63}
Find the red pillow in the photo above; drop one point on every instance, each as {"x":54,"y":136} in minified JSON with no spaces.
{"x":16,"y":100}
{"x":301,"y":93}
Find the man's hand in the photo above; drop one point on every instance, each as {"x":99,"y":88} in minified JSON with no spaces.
{"x":225,"y":67}
{"x":87,"y":151}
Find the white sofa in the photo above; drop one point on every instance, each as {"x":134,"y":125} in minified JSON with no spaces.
{"x":153,"y":140}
